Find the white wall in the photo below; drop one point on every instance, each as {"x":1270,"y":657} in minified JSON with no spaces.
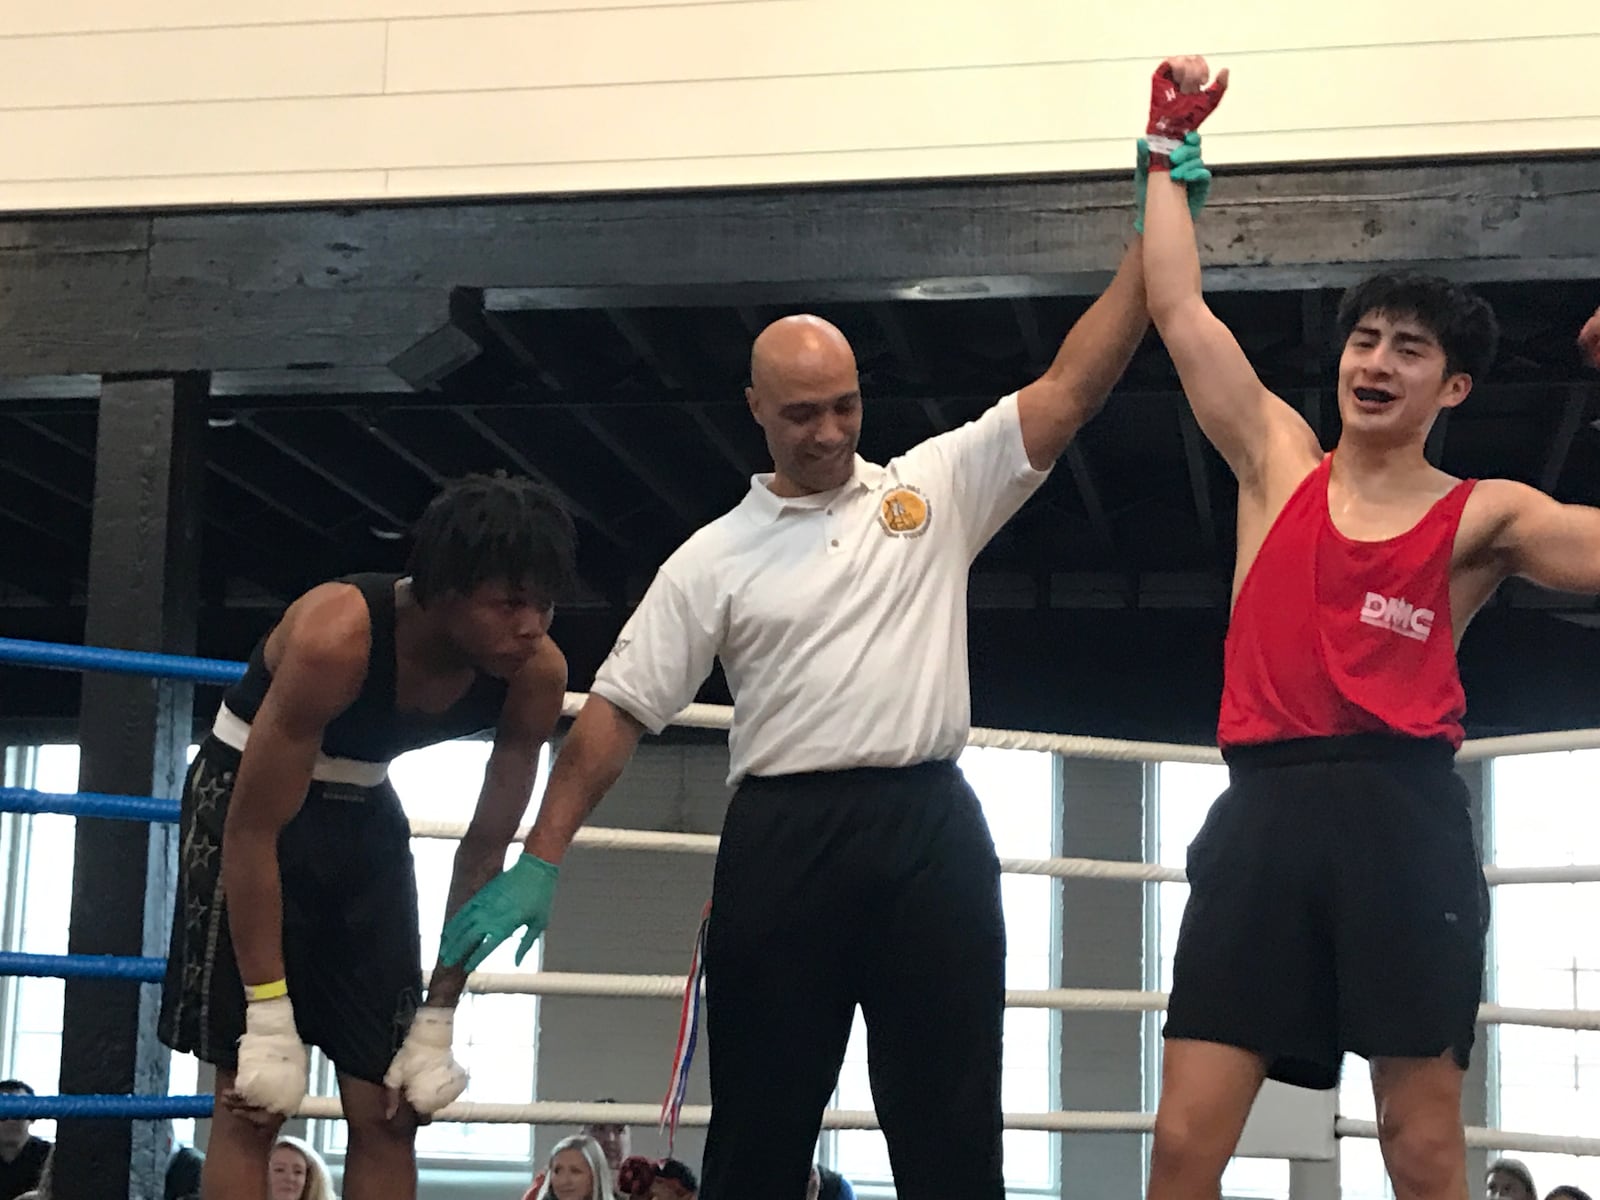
{"x":105,"y":103}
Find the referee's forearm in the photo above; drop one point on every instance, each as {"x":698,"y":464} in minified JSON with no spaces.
{"x":591,"y":760}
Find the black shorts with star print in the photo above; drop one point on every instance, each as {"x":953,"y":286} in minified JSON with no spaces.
{"x":350,"y":939}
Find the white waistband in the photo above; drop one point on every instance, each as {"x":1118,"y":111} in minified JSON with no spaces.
{"x":232,"y":730}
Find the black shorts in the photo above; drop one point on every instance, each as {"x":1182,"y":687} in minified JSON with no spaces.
{"x":1337,"y":904}
{"x":350,"y":940}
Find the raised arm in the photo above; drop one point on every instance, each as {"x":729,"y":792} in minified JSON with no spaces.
{"x":1090,"y":361}
{"x":1540,"y":539}
{"x":1242,"y":419}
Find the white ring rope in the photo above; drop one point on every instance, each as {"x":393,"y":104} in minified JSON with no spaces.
{"x":556,"y":1112}
{"x":720,"y":716}
{"x":670,"y":987}
{"x":1057,"y":868}
{"x":1479,"y":1138}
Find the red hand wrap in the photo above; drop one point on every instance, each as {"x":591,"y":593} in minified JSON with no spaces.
{"x":1174,"y":113}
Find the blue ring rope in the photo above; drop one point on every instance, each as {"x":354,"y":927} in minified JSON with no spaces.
{"x":62,"y":657}
{"x":83,"y":966}
{"x":88,"y":804}
{"x":148,"y":1108}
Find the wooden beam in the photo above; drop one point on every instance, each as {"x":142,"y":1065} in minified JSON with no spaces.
{"x":668,"y":370}
{"x":263,"y":495}
{"x":266,"y":564}
{"x":1555,"y":455}
{"x":1028,"y":325}
{"x":1078,"y":465}
{"x":501,"y":325}
{"x":720,"y":441}
{"x":1315,"y":319}
{"x":337,"y":479}
{"x":937,"y":417}
{"x":395,"y":447}
{"x":646,"y":472}
{"x":523,"y":463}
{"x":898,"y":338}
{"x":323,"y":289}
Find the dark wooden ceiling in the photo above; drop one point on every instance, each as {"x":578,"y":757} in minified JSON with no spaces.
{"x":455,"y":338}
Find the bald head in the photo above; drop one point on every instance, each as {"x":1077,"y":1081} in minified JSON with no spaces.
{"x":805,"y":395}
{"x":799,"y":350}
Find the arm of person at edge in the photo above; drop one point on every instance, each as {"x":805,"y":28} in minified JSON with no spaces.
{"x":1533,"y":535}
{"x":1266,"y":443}
{"x":424,"y":1070}
{"x":318,"y":658}
{"x":1098,"y":348}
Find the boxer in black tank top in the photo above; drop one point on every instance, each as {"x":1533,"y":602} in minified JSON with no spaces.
{"x":314,"y":938}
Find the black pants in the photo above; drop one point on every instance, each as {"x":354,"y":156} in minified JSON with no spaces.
{"x":1336,"y":903}
{"x":872,"y":887}
{"x":351,"y":950}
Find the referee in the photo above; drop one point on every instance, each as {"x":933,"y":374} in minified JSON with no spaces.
{"x":855,"y":865}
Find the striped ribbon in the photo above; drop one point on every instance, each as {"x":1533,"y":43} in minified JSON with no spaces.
{"x":688,"y":1033}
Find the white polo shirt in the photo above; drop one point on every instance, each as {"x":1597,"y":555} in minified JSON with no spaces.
{"x":840,"y":618}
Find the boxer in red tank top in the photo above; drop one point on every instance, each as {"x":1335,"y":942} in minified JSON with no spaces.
{"x":1337,"y":898}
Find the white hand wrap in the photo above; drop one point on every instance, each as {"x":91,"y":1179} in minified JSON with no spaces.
{"x":425,"y":1070}
{"x":273,"y":1069}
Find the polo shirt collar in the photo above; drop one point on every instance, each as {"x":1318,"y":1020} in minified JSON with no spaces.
{"x":764,"y":506}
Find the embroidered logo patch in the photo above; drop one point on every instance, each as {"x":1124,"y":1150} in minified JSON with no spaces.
{"x":904,"y":512}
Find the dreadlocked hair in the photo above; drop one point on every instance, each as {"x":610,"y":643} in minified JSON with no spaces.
{"x":493,"y":528}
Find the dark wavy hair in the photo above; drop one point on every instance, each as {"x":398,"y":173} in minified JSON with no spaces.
{"x":1458,"y":317}
{"x":493,"y":529}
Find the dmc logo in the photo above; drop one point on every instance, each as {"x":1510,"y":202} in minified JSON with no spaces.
{"x":1397,"y":615}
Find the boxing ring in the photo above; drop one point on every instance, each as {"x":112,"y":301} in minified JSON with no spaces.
{"x":669,"y":988}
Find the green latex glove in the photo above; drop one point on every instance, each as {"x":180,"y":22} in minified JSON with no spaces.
{"x":1192,"y":172}
{"x":1187,"y":168}
{"x":518,"y":896}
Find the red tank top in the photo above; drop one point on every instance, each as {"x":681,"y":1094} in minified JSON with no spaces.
{"x":1331,"y":636}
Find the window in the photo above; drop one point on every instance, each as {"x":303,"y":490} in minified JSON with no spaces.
{"x":1017,"y":789}
{"x":1543,"y":814}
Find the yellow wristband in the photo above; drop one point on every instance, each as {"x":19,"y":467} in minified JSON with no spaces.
{"x":266,"y":991}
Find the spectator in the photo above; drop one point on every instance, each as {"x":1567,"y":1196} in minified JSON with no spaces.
{"x":1567,"y":1192}
{"x":183,"y":1169}
{"x":674,"y":1181}
{"x":296,"y":1172}
{"x":22,"y":1156}
{"x":576,"y":1170}
{"x":1510,"y":1179}
{"x":642,"y":1178}
{"x":616,"y":1142}
{"x":828,"y":1185}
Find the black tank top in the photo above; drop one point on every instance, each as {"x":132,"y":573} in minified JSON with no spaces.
{"x":371,"y":729}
